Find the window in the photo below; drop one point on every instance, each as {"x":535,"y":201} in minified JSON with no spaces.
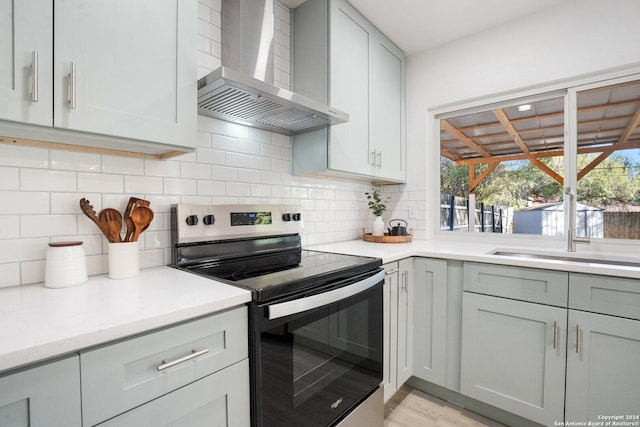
{"x":508,"y":168}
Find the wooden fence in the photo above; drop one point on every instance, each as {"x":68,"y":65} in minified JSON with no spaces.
{"x":454,"y":216}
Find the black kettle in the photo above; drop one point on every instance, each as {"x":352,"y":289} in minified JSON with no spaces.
{"x":398,"y":230}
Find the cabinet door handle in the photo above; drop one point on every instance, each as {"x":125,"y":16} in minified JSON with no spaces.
{"x":379,"y":155}
{"x":555,"y":334}
{"x":405,"y":281}
{"x":390,"y":272}
{"x":578,"y":339}
{"x":373,"y":158}
{"x":194,"y":353}
{"x":34,"y":76}
{"x":72,"y":85}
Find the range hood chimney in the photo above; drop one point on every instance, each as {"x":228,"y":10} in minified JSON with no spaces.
{"x":242,"y":89}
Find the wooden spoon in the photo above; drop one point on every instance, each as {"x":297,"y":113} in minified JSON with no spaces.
{"x":142,"y":217}
{"x":112,"y":221}
{"x":130,"y":226}
{"x":87,"y":209}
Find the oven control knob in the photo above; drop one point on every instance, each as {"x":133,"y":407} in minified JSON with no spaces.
{"x":296,"y":216}
{"x":209,"y":219}
{"x":192,"y":220}
{"x":286,"y":217}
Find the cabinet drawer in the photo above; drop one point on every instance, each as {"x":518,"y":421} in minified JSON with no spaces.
{"x":47,"y":395}
{"x":221,"y":399}
{"x":605,"y":294}
{"x":526,"y":284}
{"x":124,"y":375}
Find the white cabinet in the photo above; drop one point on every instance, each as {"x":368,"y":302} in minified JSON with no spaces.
{"x":125,"y":375}
{"x":42,"y":396}
{"x":513,"y":356}
{"x":26,"y":55}
{"x":366,"y":78}
{"x":113,"y":74}
{"x":397,"y":325}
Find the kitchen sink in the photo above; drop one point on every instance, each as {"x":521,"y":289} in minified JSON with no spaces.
{"x":569,"y":258}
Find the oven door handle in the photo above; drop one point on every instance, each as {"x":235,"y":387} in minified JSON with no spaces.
{"x":288,"y":308}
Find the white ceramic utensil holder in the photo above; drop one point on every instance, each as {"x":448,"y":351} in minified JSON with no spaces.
{"x":65,"y":266}
{"x":124,"y":260}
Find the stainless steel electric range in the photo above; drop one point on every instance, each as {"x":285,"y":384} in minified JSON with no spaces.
{"x":315,"y":318}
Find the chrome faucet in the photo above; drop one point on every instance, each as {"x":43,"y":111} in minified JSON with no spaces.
{"x":572,"y":239}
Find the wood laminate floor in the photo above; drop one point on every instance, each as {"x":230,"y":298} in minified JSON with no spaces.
{"x":412,"y":408}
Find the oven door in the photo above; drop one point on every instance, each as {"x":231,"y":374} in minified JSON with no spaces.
{"x":317,"y":357}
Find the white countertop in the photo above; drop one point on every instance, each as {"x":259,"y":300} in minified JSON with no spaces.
{"x":481,"y":252}
{"x":38,"y":323}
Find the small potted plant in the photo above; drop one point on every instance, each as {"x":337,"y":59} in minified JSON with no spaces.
{"x":377,"y":206}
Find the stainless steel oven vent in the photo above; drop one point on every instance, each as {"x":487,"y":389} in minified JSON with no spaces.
{"x":241,"y":90}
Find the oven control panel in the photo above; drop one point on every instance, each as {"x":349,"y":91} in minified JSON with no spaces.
{"x":197,"y":222}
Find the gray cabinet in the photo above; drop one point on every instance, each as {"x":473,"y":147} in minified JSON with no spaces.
{"x":26,"y":55}
{"x":603,"y":374}
{"x":42,"y":396}
{"x":102,"y":81}
{"x":220,"y":399}
{"x":513,"y":356}
{"x":397,"y":325}
{"x":127,"y":374}
{"x":343,"y":60}
{"x":430,"y":319}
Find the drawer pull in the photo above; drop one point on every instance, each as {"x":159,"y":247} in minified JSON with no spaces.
{"x":34,"y":76}
{"x":390,"y":272}
{"x":555,"y":334}
{"x":578,"y":339}
{"x":194,"y":353}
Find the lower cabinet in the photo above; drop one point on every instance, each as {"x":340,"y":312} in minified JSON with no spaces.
{"x":42,"y":396}
{"x":603,"y":372}
{"x":513,"y":356}
{"x":397,"y":325}
{"x":220,"y":399}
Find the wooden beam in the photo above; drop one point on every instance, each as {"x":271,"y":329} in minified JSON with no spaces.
{"x":463,"y":138}
{"x":595,"y":162}
{"x":474,"y":181}
{"x":631,"y":127}
{"x":546,"y":169}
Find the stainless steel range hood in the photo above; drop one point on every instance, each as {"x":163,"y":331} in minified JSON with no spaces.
{"x":242,"y":90}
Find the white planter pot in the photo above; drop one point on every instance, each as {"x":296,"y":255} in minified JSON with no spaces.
{"x":377,"y":227}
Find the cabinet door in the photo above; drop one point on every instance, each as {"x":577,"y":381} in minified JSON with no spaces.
{"x":130,"y":80}
{"x":221,"y":399}
{"x":430,"y":317}
{"x":388,"y":129}
{"x":513,"y":356}
{"x":603,"y":373}
{"x":26,"y":52}
{"x":405,"y":321}
{"x":44,"y":396}
{"x":390,"y":326}
{"x":351,"y":47}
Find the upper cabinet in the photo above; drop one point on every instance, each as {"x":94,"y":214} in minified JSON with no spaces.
{"x":340,"y":58}
{"x":26,"y":58}
{"x":103,"y":78}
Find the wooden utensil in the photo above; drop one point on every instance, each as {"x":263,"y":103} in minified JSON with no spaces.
{"x":112,"y":220}
{"x":87,"y":209}
{"x":142,"y":217}
{"x":130,"y":226}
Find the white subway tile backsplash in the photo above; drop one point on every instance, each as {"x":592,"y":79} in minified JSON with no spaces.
{"x":9,"y":275}
{"x":249,"y":175}
{"x":33,"y":272}
{"x":237,"y":160}
{"x":259,"y":135}
{"x":214,"y":157}
{"x":238,"y":189}
{"x":261,"y":190}
{"x":235,"y":130}
{"x":224,"y":173}
{"x":124,"y":165}
{"x":47,"y":180}
{"x":164,"y":168}
{"x":211,"y":188}
{"x":28,"y":157}
{"x":143,"y":184}
{"x":9,"y":178}
{"x":249,"y":147}
{"x":262,"y":163}
{"x":179,"y":186}
{"x":47,"y":225}
{"x":26,"y":202}
{"x":77,"y":161}
{"x":195,"y":170}
{"x":17,"y":250}
{"x":9,"y":226}
{"x":222,"y":142}
{"x":100,"y":183}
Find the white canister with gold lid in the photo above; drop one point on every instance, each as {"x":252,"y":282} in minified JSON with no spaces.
{"x":66,"y":265}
